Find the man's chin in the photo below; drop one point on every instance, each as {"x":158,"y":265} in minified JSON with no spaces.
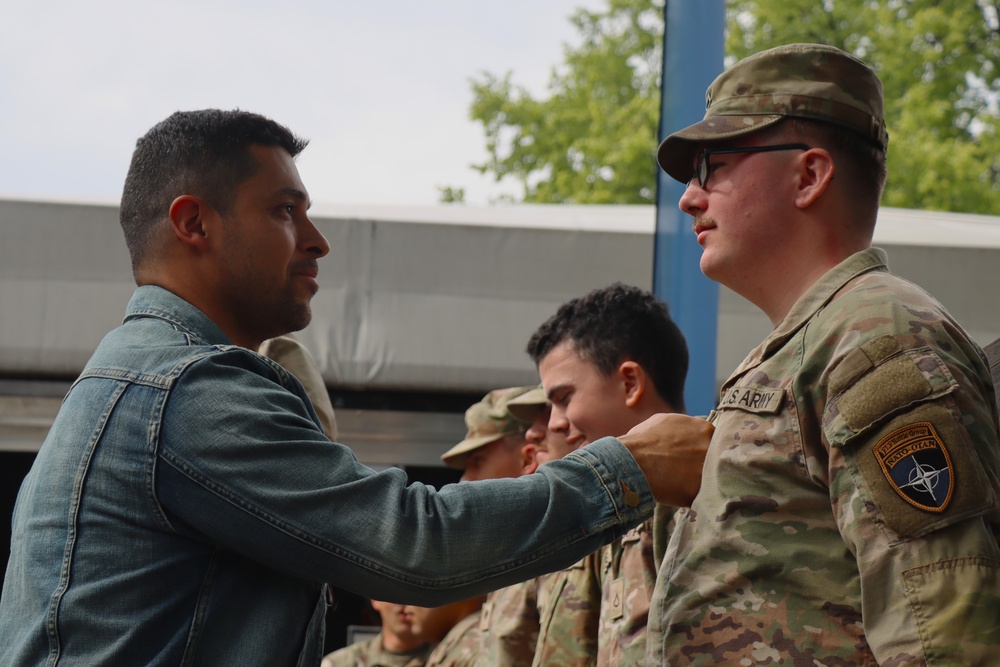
{"x":707,"y":266}
{"x":292,"y":321}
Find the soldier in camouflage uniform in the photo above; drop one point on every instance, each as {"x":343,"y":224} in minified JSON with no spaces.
{"x":848,"y":508}
{"x":608,"y":361}
{"x":497,"y":445}
{"x":397,"y":645}
{"x":508,"y":626}
{"x":494,"y":446}
{"x":551,"y":620}
{"x":454,"y":628}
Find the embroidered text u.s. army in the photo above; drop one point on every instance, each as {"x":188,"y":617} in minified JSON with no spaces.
{"x":753,"y":399}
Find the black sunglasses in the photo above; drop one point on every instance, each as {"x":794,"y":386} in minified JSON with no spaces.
{"x":702,"y":166}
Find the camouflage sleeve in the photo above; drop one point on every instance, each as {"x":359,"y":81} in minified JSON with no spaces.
{"x":911,"y":428}
{"x":354,"y":655}
{"x":460,"y":647}
{"x":663,"y":525}
{"x":628,"y":576}
{"x":509,"y":626}
{"x":569,"y":603}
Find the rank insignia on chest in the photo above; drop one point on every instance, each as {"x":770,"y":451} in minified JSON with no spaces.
{"x":916,"y":463}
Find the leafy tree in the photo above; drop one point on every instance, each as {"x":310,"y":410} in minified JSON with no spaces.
{"x":591,"y":141}
{"x":450,"y":195}
{"x":938,"y":61}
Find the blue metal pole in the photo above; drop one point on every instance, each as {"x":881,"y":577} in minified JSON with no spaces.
{"x":693,"y":52}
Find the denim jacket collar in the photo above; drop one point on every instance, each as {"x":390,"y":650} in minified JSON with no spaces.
{"x":156,"y":301}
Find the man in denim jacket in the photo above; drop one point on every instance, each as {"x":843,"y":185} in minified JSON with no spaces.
{"x":187,"y":509}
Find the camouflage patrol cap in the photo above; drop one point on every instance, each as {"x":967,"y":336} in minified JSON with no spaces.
{"x":487,"y":421}
{"x":527,"y":406}
{"x":811,"y":81}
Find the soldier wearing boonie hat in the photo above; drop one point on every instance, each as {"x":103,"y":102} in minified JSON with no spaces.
{"x":528,"y":405}
{"x":501,"y":415}
{"x":848,"y":512}
{"x":534,"y":407}
{"x":487,"y":421}
{"x":511,"y":624}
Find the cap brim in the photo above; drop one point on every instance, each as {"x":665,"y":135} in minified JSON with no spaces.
{"x":455,"y":457}
{"x":527,"y":406}
{"x":526,"y":412}
{"x":676,"y":154}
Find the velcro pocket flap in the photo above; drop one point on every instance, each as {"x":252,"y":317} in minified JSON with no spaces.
{"x":879,"y":380}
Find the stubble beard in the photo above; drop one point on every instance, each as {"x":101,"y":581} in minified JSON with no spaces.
{"x":266,"y":314}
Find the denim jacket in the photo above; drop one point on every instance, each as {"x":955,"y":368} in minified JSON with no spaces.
{"x":186,"y":509}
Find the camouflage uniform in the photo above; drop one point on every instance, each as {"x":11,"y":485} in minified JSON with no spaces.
{"x":569,"y":611}
{"x":627,"y":578}
{"x":549,"y":621}
{"x":371,"y":653}
{"x":509,"y":625}
{"x":460,"y":647}
{"x":848,"y":513}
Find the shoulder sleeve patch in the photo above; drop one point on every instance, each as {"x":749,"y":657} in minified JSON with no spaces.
{"x":917,"y":465}
{"x":921,"y":471}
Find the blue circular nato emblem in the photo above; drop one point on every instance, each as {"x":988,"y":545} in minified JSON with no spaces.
{"x":917,"y":465}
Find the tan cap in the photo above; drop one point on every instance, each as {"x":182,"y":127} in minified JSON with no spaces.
{"x":797,"y":80}
{"x":527,"y":406}
{"x":487,"y":421}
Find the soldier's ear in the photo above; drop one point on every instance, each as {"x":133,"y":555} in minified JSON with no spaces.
{"x":633,"y":382}
{"x":814,"y":172}
{"x":529,"y":458}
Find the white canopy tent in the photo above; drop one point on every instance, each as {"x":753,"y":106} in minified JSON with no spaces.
{"x":415,"y":300}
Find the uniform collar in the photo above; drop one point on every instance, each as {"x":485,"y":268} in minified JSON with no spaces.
{"x":816,"y":297}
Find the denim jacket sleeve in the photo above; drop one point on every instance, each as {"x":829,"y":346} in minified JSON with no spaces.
{"x":242,"y":463}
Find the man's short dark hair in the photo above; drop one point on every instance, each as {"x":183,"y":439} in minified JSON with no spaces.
{"x":619,"y":323}
{"x":204,"y":153}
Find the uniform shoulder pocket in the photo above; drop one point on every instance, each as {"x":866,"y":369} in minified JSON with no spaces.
{"x":878,"y":380}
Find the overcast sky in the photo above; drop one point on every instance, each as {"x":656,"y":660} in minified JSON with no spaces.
{"x":381,"y":88}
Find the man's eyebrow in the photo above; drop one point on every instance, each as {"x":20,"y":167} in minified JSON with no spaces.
{"x":552,"y":392}
{"x":295,"y":193}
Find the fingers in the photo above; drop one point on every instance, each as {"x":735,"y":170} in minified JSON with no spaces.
{"x":670,"y":449}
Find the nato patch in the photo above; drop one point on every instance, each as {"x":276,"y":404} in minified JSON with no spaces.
{"x":917,"y":465}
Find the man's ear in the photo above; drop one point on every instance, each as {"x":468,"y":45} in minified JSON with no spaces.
{"x":634,"y":381}
{"x":188,"y":221}
{"x":815,"y":174}
{"x":529,"y":458}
